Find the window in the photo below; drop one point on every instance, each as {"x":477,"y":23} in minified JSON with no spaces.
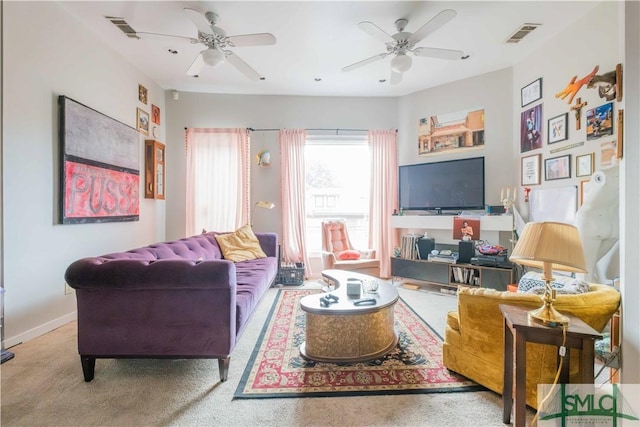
{"x":337,"y":186}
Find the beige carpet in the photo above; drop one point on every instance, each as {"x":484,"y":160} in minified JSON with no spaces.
{"x":43,"y":386}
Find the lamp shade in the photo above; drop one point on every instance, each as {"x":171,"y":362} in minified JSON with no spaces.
{"x":401,"y":63}
{"x":555,"y":244}
{"x":213,"y":57}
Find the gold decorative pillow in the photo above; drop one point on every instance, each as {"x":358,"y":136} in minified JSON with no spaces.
{"x":241,"y":245}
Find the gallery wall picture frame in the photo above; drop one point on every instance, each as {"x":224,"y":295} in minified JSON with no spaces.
{"x":585,"y":164}
{"x":142,"y":94}
{"x":557,"y":168}
{"x":584,"y":185}
{"x":531,"y":134}
{"x":530,"y":170}
{"x":619,"y":151}
{"x":600,"y":121}
{"x":142,"y":119}
{"x":531,"y":92}
{"x":557,"y":129}
{"x":155,"y":114}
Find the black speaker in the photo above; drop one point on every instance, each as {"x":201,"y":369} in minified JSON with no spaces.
{"x":425,"y":246}
{"x":465,"y":251}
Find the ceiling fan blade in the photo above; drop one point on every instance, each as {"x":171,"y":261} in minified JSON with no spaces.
{"x":196,"y":66}
{"x":438,"y":53}
{"x":438,"y":21}
{"x":199,"y":20}
{"x":242,"y":66}
{"x":374,"y":31}
{"x":395,"y":78}
{"x":359,"y":64}
{"x":258,"y":39}
{"x":145,"y":35}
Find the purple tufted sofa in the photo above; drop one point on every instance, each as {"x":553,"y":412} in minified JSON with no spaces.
{"x":176,"y":299}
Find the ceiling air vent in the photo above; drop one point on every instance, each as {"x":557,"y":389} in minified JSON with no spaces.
{"x":521,"y":32}
{"x":124,"y":27}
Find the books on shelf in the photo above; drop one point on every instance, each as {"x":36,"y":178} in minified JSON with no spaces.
{"x":467,"y":276}
{"x":409,"y":248}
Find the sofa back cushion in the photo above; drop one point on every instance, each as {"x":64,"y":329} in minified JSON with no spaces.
{"x":201,"y":247}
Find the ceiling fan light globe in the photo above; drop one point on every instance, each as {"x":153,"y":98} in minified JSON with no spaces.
{"x":401,"y":63}
{"x":213,"y":57}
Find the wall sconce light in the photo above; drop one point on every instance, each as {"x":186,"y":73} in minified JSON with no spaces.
{"x":261,"y":204}
{"x":264,"y":158}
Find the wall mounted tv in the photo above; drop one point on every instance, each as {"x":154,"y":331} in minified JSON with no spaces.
{"x":453,"y":185}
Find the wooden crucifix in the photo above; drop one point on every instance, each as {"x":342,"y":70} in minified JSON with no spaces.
{"x":577,"y":108}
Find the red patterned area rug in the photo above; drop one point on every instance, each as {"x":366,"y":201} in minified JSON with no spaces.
{"x":276,"y":369}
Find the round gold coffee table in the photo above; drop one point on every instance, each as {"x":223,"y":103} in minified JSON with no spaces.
{"x":344,"y":332}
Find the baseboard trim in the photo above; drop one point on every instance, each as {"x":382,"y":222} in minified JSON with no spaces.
{"x":40,"y":330}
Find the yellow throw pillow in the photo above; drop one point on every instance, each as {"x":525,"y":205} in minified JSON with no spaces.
{"x":242,"y":245}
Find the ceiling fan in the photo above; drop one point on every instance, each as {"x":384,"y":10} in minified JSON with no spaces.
{"x":217,"y":43}
{"x":402,"y":43}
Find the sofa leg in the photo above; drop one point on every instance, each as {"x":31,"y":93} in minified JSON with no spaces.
{"x":88,"y":367}
{"x":223,"y":366}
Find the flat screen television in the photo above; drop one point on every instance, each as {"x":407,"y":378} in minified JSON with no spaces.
{"x":453,"y":185}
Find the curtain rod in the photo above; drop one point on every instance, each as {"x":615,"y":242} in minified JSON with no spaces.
{"x":277,"y":130}
{"x":337,"y":130}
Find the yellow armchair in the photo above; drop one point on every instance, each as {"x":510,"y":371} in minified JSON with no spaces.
{"x":474,"y":338}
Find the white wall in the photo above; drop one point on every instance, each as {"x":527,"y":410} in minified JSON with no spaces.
{"x":612,"y":38}
{"x":260,"y":112}
{"x":630,"y":201}
{"x":591,"y":41}
{"x":47,"y":53}
{"x":491,"y":91}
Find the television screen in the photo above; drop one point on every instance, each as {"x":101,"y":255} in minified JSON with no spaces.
{"x":452,"y":185}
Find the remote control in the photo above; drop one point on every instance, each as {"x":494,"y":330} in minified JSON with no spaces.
{"x":365,"y":301}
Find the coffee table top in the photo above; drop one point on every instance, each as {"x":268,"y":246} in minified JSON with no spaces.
{"x":387,"y":295}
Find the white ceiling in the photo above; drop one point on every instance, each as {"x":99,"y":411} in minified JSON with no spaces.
{"x":316,"y":39}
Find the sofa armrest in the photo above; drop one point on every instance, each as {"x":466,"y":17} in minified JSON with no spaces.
{"x":102,"y":273}
{"x":328,"y":259}
{"x":268,"y":243}
{"x":368,"y":253}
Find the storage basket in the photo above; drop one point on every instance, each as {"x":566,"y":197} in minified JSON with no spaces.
{"x":291,"y":276}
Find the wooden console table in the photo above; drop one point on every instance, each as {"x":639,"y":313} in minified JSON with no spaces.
{"x":518,"y":331}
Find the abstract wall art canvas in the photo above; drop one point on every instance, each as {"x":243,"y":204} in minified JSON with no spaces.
{"x":99,"y":166}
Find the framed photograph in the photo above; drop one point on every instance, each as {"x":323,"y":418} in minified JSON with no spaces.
{"x":600,"y":121}
{"x":530,"y":170}
{"x":143,"y":121}
{"x":142,"y":94}
{"x":584,"y":164}
{"x":155,"y":114}
{"x":557,"y":129}
{"x":531,"y":129}
{"x":584,"y":188}
{"x":531,"y":92}
{"x":459,"y":131}
{"x":557,"y":168}
{"x":466,"y":229}
{"x":608,"y":150}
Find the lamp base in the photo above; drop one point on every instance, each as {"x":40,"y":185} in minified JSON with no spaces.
{"x":548,"y":316}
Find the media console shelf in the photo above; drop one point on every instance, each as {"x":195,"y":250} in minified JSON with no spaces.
{"x":452,"y":275}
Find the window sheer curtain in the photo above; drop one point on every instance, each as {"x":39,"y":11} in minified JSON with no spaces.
{"x":384,"y":195}
{"x":218,"y":168}
{"x":293,"y":196}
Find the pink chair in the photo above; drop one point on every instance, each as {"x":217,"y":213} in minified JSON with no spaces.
{"x":339,"y":253}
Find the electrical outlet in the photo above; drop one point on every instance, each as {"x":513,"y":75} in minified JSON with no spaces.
{"x":68,"y":290}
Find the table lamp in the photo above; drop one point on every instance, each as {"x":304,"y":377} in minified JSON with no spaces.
{"x":261,"y":204}
{"x":549,"y":246}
